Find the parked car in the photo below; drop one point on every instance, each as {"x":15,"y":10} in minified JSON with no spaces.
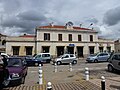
{"x":39,"y":59}
{"x":4,"y":74}
{"x":5,"y":55}
{"x":66,"y":58}
{"x":98,"y":57}
{"x":114,"y":62}
{"x":33,"y":62}
{"x":45,"y":57}
{"x":17,"y":69}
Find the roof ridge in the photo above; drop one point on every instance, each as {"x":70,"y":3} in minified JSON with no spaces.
{"x":64,"y":27}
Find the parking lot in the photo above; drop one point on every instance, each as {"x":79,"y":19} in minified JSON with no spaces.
{"x":67,"y":80}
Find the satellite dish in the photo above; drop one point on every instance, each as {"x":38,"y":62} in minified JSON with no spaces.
{"x":70,"y":23}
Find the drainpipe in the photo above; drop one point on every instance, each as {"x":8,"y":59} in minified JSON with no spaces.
{"x":35,"y":40}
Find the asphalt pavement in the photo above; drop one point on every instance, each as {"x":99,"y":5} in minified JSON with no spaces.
{"x":64,"y":79}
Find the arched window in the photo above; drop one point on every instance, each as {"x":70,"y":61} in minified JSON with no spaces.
{"x":3,"y":42}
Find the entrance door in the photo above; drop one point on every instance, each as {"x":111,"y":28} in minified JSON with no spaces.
{"x":45,"y":49}
{"x":70,"y":50}
{"x":109,"y":49}
{"x":80,"y":51}
{"x":101,"y":49}
{"x":91,"y":49}
{"x":16,"y":50}
{"x":60,"y":50}
{"x":29,"y":50}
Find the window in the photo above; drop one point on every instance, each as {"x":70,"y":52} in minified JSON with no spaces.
{"x":59,"y":37}
{"x":47,"y":36}
{"x":101,"y":49}
{"x":109,"y":49}
{"x":45,"y":49}
{"x":79,"y":38}
{"x":91,"y":49}
{"x":66,"y":56}
{"x":3,"y":42}
{"x":15,"y":50}
{"x":70,"y":37}
{"x":46,"y":55}
{"x":29,"y":50}
{"x":103,"y":54}
{"x":0,"y":38}
{"x":15,"y":62}
{"x":91,"y":37}
{"x":116,"y":57}
{"x":37,"y":56}
{"x":71,"y":55}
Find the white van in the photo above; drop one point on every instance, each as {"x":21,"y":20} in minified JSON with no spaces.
{"x":44,"y":57}
{"x":5,"y":55}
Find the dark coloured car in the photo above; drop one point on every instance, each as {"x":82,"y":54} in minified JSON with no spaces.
{"x":17,"y":69}
{"x":39,"y":59}
{"x":33,"y":62}
{"x":114,"y":62}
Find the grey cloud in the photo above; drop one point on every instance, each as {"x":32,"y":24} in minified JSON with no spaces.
{"x":112,"y":16}
{"x":20,"y":16}
{"x":92,"y":20}
{"x":32,"y":15}
{"x":26,"y":24}
{"x":10,"y":6}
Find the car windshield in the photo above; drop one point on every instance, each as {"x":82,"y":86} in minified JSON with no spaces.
{"x":14,"y":62}
{"x":37,"y":57}
{"x":94,"y":54}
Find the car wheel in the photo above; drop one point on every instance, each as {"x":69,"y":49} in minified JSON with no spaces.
{"x":95,"y":60}
{"x":58,"y":63}
{"x":6,"y":82}
{"x":110,"y":68}
{"x":6,"y":78}
{"x":74,"y":62}
{"x":22,"y":80}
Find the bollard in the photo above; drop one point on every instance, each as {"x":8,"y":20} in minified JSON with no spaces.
{"x":40,"y":67}
{"x":70,"y":67}
{"x":40,"y":77}
{"x":102,"y":83}
{"x":86,"y":74}
{"x":49,"y":86}
{"x":55,"y":67}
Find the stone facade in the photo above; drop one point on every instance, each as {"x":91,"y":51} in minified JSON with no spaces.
{"x":117,"y":45}
{"x":58,"y":40}
{"x":2,"y":43}
{"x":21,"y":43}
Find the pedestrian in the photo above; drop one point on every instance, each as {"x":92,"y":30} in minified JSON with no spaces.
{"x":1,"y":72}
{"x":4,"y":60}
{"x":4,"y":73}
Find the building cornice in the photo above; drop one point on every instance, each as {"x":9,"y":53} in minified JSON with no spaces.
{"x":68,"y":30}
{"x":75,"y":42}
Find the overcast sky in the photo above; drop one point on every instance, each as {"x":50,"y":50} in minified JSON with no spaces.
{"x":22,"y":16}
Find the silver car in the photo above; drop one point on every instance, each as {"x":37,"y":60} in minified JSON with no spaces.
{"x":66,"y":58}
{"x":98,"y":57}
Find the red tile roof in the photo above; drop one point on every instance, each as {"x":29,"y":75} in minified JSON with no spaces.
{"x":63,"y":27}
{"x":27,"y":36}
{"x":3,"y":35}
